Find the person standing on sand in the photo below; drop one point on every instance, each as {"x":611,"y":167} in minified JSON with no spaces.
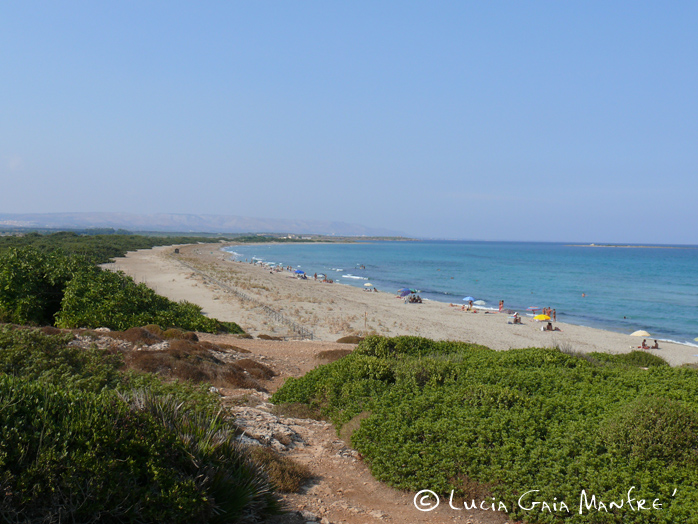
{"x":554,"y":316}
{"x":501,"y":305}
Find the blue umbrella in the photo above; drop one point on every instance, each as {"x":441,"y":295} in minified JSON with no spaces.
{"x":299,"y":271}
{"x":469,"y":298}
{"x":405,"y":292}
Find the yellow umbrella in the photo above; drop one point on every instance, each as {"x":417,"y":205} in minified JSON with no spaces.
{"x":640,"y":334}
{"x":541,"y":317}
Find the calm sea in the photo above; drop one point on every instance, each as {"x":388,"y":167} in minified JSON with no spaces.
{"x":625,"y":289}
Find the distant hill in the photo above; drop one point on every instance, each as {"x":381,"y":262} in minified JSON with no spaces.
{"x":183,"y":223}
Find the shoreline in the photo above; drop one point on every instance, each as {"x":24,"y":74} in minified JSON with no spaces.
{"x":332,"y":311}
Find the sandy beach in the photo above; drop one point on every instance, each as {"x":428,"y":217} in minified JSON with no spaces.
{"x":331,"y":311}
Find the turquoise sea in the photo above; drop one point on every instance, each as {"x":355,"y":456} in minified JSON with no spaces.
{"x":625,"y":288}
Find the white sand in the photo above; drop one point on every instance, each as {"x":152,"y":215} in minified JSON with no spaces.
{"x":331,"y":311}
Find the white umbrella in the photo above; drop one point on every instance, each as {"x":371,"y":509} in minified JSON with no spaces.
{"x":640,"y":333}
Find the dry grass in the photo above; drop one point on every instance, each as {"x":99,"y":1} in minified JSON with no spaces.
{"x":332,"y":355}
{"x":136,"y":335}
{"x":154,"y":329}
{"x":268,"y":337}
{"x":352,"y":339}
{"x":296,"y":410}
{"x":175,"y":333}
{"x":187,"y":360}
{"x":255,"y":369}
{"x":350,"y":427}
{"x":286,"y":474}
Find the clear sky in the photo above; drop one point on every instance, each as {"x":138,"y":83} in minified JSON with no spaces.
{"x":561,"y":121}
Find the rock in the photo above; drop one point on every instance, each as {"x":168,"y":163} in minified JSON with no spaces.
{"x":308,"y":516}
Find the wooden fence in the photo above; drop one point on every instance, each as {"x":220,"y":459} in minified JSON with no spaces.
{"x":301,"y":332}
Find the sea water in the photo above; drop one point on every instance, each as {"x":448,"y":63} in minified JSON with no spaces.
{"x":620,"y":289}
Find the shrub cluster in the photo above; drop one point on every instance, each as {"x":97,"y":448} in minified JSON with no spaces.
{"x":98,"y":249}
{"x":73,"y":449}
{"x":451,"y":416}
{"x":69,"y":291}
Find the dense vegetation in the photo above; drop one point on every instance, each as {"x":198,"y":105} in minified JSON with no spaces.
{"x":98,"y":249}
{"x":454,"y":416}
{"x":40,"y":287}
{"x":81,"y":441}
{"x":103,"y":247}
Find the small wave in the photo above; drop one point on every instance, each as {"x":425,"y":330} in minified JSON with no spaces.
{"x":336,"y":269}
{"x":349,"y":275}
{"x":677,"y":342}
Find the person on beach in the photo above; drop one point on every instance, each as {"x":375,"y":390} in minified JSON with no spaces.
{"x":554,"y":316}
{"x":501,"y":305}
{"x":644,"y":344}
{"x":656,"y":345}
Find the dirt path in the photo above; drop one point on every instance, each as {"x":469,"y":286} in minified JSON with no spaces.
{"x":343,"y":490}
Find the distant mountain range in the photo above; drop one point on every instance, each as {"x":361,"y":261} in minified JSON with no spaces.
{"x":183,"y":223}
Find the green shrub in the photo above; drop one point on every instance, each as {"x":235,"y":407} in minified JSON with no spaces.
{"x":451,"y":416}
{"x":653,"y":428}
{"x":71,"y":455}
{"x":38,"y":288}
{"x":97,"y":298}
{"x":641,"y":359}
{"x":32,"y":355}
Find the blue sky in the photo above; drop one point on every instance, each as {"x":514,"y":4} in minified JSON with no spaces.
{"x":560,"y":121}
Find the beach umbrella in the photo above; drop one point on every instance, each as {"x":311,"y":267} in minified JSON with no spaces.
{"x":640,"y":333}
{"x":368,"y":284}
{"x":696,"y":339}
{"x":540,"y":318}
{"x":405,"y":292}
{"x":298,"y":271}
{"x":468,"y":299}
{"x":479,"y":302}
{"x":533,"y":308}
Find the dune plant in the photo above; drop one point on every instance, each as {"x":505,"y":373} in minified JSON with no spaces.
{"x":463,"y":419}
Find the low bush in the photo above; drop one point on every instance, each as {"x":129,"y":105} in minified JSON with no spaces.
{"x":452,"y":416}
{"x":286,"y":474}
{"x":71,"y":455}
{"x":256,"y":369}
{"x":189,"y":361}
{"x":351,"y":339}
{"x":333,"y":354}
{"x":641,"y":359}
{"x":68,"y":291}
{"x":72,"y":450}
